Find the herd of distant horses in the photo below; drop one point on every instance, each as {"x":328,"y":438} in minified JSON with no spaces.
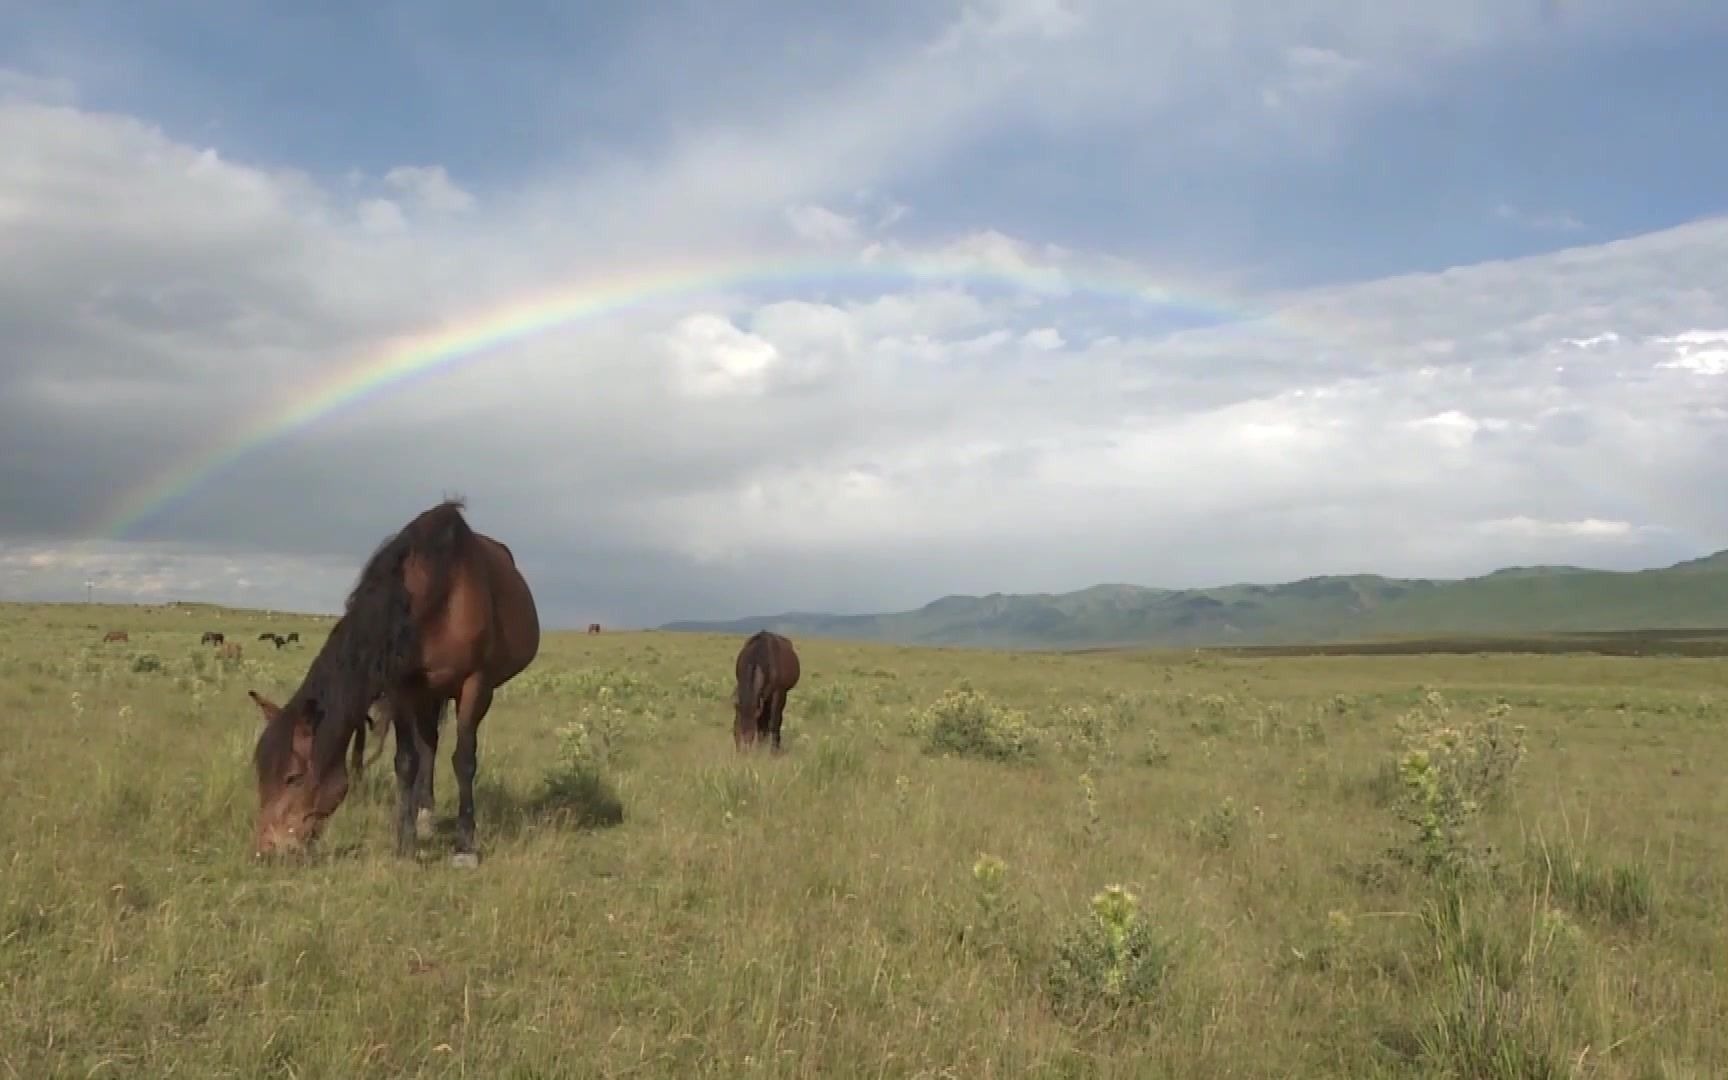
{"x":440,"y":613}
{"x":227,"y":650}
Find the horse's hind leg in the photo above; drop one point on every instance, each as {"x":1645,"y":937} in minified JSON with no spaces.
{"x":409,"y":764}
{"x":471,"y":706}
{"x":776,"y":714}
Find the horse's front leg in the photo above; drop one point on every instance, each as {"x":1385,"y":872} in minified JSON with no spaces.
{"x":408,"y":766}
{"x":427,"y":732}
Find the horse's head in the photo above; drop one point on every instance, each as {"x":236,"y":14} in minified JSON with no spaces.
{"x":294,"y":797}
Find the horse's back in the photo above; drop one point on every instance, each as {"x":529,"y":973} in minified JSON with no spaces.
{"x":488,"y":621}
{"x":774,"y":654}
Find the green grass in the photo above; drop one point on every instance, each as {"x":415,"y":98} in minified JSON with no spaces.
{"x":650,"y":904}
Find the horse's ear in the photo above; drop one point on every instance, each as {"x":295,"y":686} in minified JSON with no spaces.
{"x":269,"y":708}
{"x":303,"y":735}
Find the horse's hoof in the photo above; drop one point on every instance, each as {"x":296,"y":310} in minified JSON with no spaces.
{"x":465,"y":860}
{"x":423,"y":824}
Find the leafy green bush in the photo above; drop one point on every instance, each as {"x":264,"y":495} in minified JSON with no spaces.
{"x":1450,"y":767}
{"x":965,"y":723}
{"x":1111,"y":959}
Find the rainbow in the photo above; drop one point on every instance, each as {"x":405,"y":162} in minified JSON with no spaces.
{"x":403,"y":361}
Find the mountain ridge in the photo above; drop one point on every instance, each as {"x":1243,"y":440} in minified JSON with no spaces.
{"x":1318,"y":609}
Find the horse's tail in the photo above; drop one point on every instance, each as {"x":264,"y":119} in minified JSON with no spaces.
{"x":754,"y":660}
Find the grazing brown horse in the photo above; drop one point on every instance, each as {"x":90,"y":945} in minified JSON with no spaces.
{"x":211,"y":637}
{"x":230,"y":651}
{"x":293,"y":635}
{"x":439,"y":612}
{"x":115,"y":635}
{"x":767,"y":668}
{"x":593,"y":628}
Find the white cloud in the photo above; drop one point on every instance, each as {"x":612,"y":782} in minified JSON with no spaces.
{"x":715,"y":357}
{"x":430,"y":187}
{"x":999,"y":19}
{"x":822,"y":225}
{"x":1547,"y":221}
{"x":1045,"y":338}
{"x":1702,"y":352}
{"x":1308,"y":76}
{"x":1526,"y":528}
{"x":160,"y":573}
{"x":986,"y":251}
{"x":381,"y":216}
{"x":1450,"y":429}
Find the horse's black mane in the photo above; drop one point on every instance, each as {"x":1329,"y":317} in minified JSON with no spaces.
{"x":374,"y":645}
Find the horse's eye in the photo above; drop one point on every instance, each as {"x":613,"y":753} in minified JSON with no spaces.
{"x":293,"y":779}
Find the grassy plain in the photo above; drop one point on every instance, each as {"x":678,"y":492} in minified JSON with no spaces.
{"x":648,"y":904}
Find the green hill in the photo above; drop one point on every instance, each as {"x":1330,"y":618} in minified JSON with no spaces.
{"x":1514,"y":600}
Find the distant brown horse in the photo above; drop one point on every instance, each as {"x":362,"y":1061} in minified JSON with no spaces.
{"x":439,"y":612}
{"x":767,"y":668}
{"x":211,"y":637}
{"x":593,"y":628}
{"x":115,"y":635}
{"x":230,"y":651}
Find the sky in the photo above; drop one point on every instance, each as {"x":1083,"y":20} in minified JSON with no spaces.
{"x":900,"y":300}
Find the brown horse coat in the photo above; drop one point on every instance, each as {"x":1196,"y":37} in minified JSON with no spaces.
{"x":766,"y":669}
{"x":440,"y":612}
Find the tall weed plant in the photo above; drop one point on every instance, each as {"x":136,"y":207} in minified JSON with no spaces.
{"x":1451,"y":766}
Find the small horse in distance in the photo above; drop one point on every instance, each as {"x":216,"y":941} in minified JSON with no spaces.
{"x":115,"y":635}
{"x":211,"y":637}
{"x":593,"y":628}
{"x":293,"y":635}
{"x":439,"y":612}
{"x":278,"y":639}
{"x":266,"y":636}
{"x":766,"y":669}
